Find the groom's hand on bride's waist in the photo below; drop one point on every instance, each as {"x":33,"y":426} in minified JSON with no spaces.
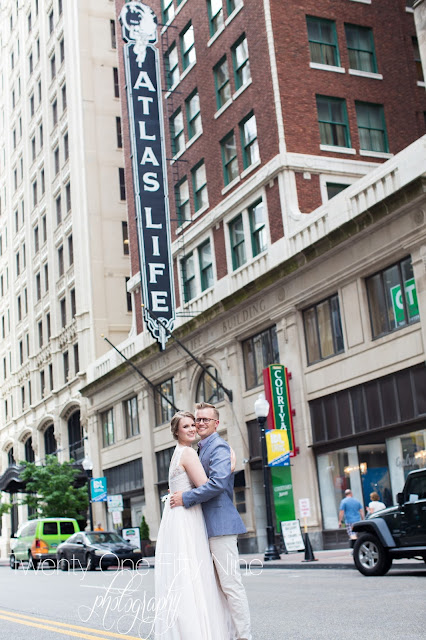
{"x":176,"y":499}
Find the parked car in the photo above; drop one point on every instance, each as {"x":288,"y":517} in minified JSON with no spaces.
{"x":37,"y":540}
{"x":92,"y":549}
{"x":396,"y":532}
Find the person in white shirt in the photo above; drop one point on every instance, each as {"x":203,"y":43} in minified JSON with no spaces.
{"x":375,"y":504}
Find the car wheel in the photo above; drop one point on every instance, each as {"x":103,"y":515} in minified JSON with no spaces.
{"x":32,"y":564}
{"x":63,"y":563}
{"x":13,"y":562}
{"x":90,"y":565}
{"x":370,"y":557}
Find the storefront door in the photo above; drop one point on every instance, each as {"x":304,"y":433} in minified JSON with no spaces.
{"x":373,"y":466}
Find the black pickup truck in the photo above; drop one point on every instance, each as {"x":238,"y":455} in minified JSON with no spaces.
{"x":396,"y":532}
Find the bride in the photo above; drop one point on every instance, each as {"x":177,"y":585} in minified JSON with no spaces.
{"x":190,"y":604}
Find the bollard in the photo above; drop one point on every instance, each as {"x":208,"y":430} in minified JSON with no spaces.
{"x":309,"y":554}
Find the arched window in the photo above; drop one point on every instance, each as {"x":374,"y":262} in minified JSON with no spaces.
{"x":29,"y":451}
{"x":10,"y":458}
{"x":207,"y":389}
{"x":50,"y":441}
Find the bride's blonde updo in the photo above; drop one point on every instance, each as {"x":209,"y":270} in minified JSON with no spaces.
{"x":174,"y":422}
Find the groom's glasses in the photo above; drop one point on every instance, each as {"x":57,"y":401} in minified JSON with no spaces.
{"x":203,"y":420}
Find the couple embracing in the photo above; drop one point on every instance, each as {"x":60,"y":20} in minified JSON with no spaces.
{"x":196,"y":559}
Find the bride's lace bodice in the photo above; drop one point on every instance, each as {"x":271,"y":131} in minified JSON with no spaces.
{"x":178,"y":478}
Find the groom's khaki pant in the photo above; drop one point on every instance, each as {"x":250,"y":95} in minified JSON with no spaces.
{"x":226,"y":561}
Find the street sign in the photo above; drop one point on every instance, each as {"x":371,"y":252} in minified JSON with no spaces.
{"x":277,"y":393}
{"x":292,"y":536}
{"x":115,"y":503}
{"x":116,"y":518}
{"x":98,"y":489}
{"x":304,"y":508}
{"x":277,"y":447}
{"x":132,"y":535}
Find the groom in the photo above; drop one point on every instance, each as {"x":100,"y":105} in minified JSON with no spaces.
{"x":222,"y":519}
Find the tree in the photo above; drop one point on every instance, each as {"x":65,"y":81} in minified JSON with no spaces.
{"x":5,"y":507}
{"x":50,"y":489}
{"x":144,"y":529}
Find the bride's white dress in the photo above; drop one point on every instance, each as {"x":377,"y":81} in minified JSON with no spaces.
{"x":190,"y":605}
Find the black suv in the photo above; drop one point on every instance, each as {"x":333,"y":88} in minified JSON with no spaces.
{"x":396,"y":532}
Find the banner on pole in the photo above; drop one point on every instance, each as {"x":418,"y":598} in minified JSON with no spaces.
{"x":275,"y":379}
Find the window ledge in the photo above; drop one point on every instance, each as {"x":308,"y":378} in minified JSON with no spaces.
{"x":365,"y":74}
{"x":232,"y":184}
{"x":172,"y":88}
{"x":251,"y":168}
{"x":216,"y":35}
{"x":421,"y":83}
{"x":250,"y":262}
{"x":363,"y":1}
{"x":409,"y":9}
{"x":375,"y":154}
{"x":179,"y":9}
{"x":333,"y":149}
{"x":187,"y":70}
{"x":200,"y":211}
{"x":183,"y":226}
{"x":326,"y":67}
{"x":235,"y":12}
{"x":223,"y":108}
{"x":194,"y":139}
{"x":241,"y":89}
{"x":178,"y":155}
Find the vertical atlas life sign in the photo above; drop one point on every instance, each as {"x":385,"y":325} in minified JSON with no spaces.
{"x":141,"y":61}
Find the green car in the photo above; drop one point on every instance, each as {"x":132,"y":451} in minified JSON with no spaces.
{"x":37,"y":540}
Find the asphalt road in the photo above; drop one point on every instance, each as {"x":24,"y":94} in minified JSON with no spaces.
{"x":295,"y":604}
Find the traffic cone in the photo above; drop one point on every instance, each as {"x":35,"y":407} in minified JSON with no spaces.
{"x":309,"y":554}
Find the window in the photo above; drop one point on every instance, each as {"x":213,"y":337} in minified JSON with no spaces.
{"x":76,"y":359}
{"x":199,"y":185}
{"x":334,"y":188}
{"x":60,"y":13}
{"x":61,"y":261}
{"x":116,"y":82}
{"x":163,"y":459}
{"x":172,"y":66}
{"x":323,"y":41}
{"x":323,"y":330}
{"x":66,"y":147}
{"x":221,"y":81}
{"x":58,"y":210}
{"x":259,"y":352}
{"x":64,"y":97}
{"x":44,"y":228}
{"x":38,"y":286}
{"x":48,"y":331}
{"x":19,"y":305}
{"x":43,"y":184}
{"x":360,"y":45}
{"x":182,"y":202}
{"x":40,"y":334}
{"x":31,"y":63}
{"x":30,"y":26}
{"x":131,"y":415}
{"x":236,"y":233}
{"x":51,"y":21}
{"x":119,"y":132}
{"x":371,"y":127}
{"x":125,"y":234}
{"x":107,"y":421}
{"x":122,"y":183}
{"x":333,"y":121}
{"x":229,"y":158}
{"x":187,"y":45}
{"x":73,"y":303}
{"x":52,"y":67}
{"x":35,"y":199}
{"x":232,"y":5}
{"x":36,"y":239}
{"x":113,"y":34}
{"x":62,"y":50}
{"x":163,"y":409}
{"x":66,"y":362}
{"x":33,"y":148}
{"x":177,"y":133}
{"x":193,"y":114}
{"x":55,"y":112}
{"x":128,"y":295}
{"x":390,"y":309}
{"x":417,"y":60}
{"x":56,"y":160}
{"x":188,"y":278}
{"x":215,"y":11}
{"x":207,"y":388}
{"x":68,"y":196}
{"x":249,"y":144}
{"x":257,"y":227}
{"x":240,"y":59}
{"x":168,"y":10}
{"x":63,"y":309}
{"x":206,"y":265}
{"x":46,"y":277}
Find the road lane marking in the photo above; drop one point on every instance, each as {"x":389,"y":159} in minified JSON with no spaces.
{"x":20,"y":618}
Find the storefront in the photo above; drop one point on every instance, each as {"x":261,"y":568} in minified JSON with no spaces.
{"x":368,"y":438}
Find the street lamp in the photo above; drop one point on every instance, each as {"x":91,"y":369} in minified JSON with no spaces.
{"x":261,"y":409}
{"x":87,"y":465}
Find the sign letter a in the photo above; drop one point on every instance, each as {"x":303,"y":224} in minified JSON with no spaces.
{"x":143,"y":82}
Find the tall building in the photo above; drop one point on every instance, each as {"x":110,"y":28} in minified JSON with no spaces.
{"x":63,"y":225}
{"x":295,"y":171}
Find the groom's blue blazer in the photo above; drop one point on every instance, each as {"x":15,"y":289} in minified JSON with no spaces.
{"x":216,"y":495}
